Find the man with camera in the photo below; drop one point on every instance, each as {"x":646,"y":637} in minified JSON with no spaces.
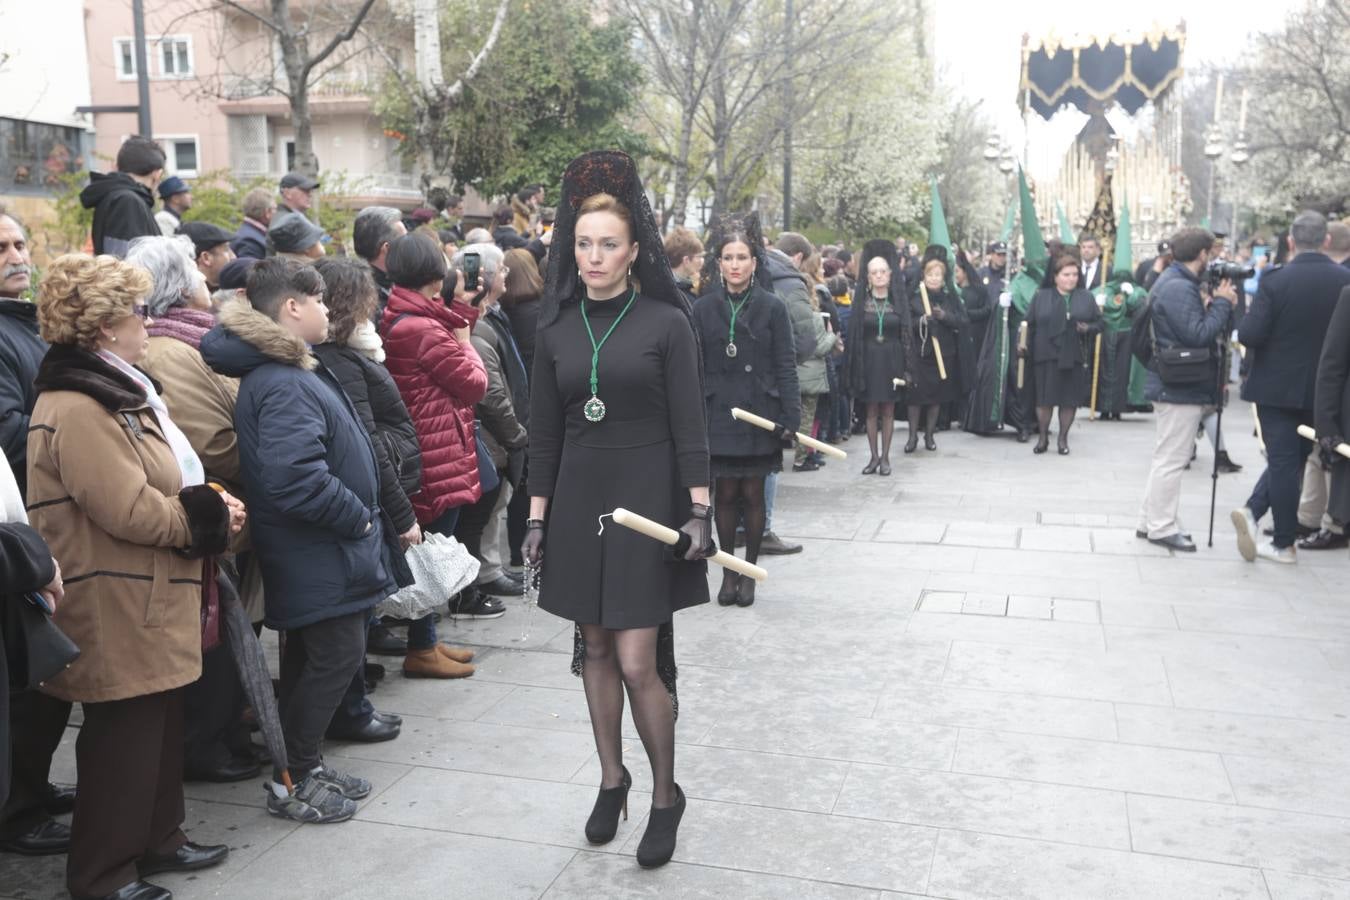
{"x":1188,"y":319}
{"x":1283,"y":333}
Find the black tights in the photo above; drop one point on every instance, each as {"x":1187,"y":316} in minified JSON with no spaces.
{"x":616,"y":660}
{"x":1066,"y":417}
{"x":928,"y":414}
{"x":886,"y":413}
{"x":737,"y":497}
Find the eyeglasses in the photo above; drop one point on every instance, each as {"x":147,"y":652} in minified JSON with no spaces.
{"x":140,"y":310}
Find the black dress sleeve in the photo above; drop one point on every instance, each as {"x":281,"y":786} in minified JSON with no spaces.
{"x":546,"y":418}
{"x":785,"y":366}
{"x":25,"y":560}
{"x":684,"y":404}
{"x":1333,"y":373}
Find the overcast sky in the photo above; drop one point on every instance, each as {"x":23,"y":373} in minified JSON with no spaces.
{"x":979,"y":49}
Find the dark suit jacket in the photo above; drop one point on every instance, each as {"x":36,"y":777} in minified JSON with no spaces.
{"x":1096,"y":281}
{"x":1285,"y":327}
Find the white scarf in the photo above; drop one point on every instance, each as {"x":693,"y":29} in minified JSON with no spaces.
{"x":366,"y":340}
{"x":11,"y":502}
{"x":188,"y":462}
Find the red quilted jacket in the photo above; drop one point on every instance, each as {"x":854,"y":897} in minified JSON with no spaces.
{"x":440,"y":381}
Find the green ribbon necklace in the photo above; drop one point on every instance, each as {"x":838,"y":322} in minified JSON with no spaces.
{"x":736,"y":311}
{"x":594,"y":410}
{"x":881,"y":316}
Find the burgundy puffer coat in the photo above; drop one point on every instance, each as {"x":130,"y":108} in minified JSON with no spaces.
{"x":440,"y":381}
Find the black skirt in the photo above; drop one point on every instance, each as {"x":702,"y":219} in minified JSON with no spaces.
{"x":746,"y":466}
{"x":1061,"y":387}
{"x":930,"y":387}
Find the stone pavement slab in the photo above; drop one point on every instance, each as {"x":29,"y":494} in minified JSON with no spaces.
{"x":975,"y":682}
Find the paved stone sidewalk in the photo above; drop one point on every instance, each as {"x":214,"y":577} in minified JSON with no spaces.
{"x":975,"y":682}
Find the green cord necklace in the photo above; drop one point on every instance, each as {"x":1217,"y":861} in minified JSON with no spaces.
{"x":594,"y":410}
{"x":736,"y":308}
{"x":881,"y":316}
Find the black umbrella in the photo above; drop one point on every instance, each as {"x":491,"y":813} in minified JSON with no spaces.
{"x":251,"y":663}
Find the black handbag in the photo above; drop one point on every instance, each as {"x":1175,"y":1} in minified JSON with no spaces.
{"x":35,"y":649}
{"x":1183,"y":366}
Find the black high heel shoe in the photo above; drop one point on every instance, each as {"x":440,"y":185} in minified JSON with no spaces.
{"x":871,"y":467}
{"x":604,"y":821}
{"x":1041,"y":445}
{"x":885,"y":468}
{"x":1063,"y":447}
{"x":658,"y":843}
{"x":726,"y":596}
{"x":913,"y":443}
{"x":929,"y":443}
{"x":745,"y":591}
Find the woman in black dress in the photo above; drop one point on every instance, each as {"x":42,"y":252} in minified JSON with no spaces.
{"x":928,"y":390}
{"x":749,"y":362}
{"x":617,"y":421}
{"x":876,"y":347}
{"x":1060,"y":322}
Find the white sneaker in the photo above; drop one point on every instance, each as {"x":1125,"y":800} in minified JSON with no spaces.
{"x":1245,"y":525}
{"x":1286,"y":555}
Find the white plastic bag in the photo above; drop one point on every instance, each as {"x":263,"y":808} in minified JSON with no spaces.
{"x":442,"y":568}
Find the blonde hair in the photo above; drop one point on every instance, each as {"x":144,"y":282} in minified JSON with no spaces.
{"x":610,"y":204}
{"x":80,"y":294}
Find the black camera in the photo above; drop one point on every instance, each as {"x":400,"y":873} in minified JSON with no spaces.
{"x":1221,"y":269}
{"x":472,"y":264}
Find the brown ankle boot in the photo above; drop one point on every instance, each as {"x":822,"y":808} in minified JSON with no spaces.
{"x":458,"y":654}
{"x":431,"y":664}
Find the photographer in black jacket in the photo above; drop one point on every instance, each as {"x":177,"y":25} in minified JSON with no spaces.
{"x":1184,"y":315}
{"x":1283,"y":333}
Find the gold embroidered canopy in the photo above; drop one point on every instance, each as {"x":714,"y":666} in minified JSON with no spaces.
{"x":1092,"y":73}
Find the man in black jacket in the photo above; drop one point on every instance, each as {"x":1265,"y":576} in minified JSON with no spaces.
{"x":1184,"y":315}
{"x":26,"y":823}
{"x":1283,"y":333}
{"x":372,"y":231}
{"x":123,"y":201}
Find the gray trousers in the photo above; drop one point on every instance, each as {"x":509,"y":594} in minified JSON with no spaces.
{"x":1177,"y":424}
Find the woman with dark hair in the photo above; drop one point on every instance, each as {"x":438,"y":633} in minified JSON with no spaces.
{"x":748,"y":362}
{"x":441,"y":379}
{"x":617,"y":421}
{"x":354,"y":354}
{"x":933,"y":329}
{"x":524,"y":287}
{"x":1060,"y":321}
{"x":877,"y":334}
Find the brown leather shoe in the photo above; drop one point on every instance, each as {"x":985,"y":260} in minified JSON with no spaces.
{"x":1324,"y":540}
{"x":431,"y":664}
{"x":458,"y":654}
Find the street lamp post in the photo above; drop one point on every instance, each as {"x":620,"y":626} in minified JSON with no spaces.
{"x":1213,"y":150}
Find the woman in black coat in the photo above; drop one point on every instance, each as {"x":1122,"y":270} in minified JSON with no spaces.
{"x":1060,"y":324}
{"x":928,"y":389}
{"x":617,"y":420}
{"x":876,"y":349}
{"x":1331,"y":412}
{"x":748,"y":362}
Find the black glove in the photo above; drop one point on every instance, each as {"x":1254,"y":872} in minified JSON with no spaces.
{"x":533,"y":549}
{"x":1329,"y":443}
{"x":783,"y":434}
{"x":699,"y":529}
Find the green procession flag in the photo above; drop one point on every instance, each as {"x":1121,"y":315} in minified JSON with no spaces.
{"x":937,"y":234}
{"x":1124,"y":261}
{"x":1066,"y":234}
{"x":1204,"y":223}
{"x":1028,"y":280}
{"x":1009,"y":221}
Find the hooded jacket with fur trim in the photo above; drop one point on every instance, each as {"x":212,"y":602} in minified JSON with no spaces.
{"x":309,"y":473}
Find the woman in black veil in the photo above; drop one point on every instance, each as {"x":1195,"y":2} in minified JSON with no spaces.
{"x":617,"y":420}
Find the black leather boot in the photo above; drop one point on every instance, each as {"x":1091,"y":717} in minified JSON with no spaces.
{"x":604,"y":821}
{"x":658,"y":843}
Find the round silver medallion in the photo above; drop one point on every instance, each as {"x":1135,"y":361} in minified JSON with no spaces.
{"x":594,"y":410}
{"x":731,"y":351}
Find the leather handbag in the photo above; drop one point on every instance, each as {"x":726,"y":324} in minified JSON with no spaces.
{"x":1183,"y":366}
{"x":35,"y":649}
{"x":487,"y":469}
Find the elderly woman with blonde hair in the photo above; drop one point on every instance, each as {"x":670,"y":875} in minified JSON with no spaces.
{"x":117,"y":490}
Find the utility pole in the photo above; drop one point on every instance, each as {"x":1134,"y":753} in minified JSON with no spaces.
{"x":787,"y":117}
{"x":142,"y":70}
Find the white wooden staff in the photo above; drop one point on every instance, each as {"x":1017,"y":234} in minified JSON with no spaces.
{"x":657,"y":531}
{"x":1310,"y":434}
{"x":937,"y":347}
{"x":899,"y":382}
{"x":804,"y":439}
{"x":1021,"y":357}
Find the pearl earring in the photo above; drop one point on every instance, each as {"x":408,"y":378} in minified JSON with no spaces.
{"x":114,"y":338}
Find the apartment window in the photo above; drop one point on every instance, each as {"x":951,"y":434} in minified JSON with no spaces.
{"x":124,"y":51}
{"x":182,"y":155}
{"x":175,"y":57}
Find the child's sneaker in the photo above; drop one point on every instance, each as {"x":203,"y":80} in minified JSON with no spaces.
{"x":312,"y":802}
{"x":349,"y":786}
